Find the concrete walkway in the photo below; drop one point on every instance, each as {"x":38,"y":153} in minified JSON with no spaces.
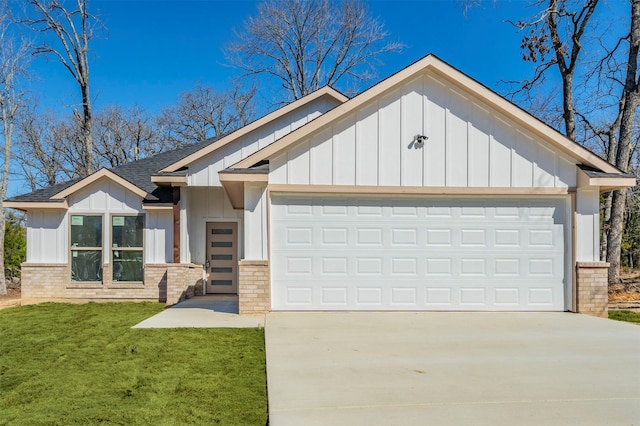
{"x":451,"y":368}
{"x":211,"y":311}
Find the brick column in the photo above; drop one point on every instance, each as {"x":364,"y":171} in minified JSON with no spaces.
{"x":184,"y":280}
{"x":254,"y":287}
{"x":592,"y":284}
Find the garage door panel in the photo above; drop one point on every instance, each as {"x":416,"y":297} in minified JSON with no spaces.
{"x":366,"y":253}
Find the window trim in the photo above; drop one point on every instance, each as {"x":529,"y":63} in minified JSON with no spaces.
{"x":111,"y":248}
{"x":72,"y":282}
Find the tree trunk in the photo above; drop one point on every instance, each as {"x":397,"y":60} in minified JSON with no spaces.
{"x":569,"y":115}
{"x":3,"y":282}
{"x":86,"y":130}
{"x":630,"y":102}
{"x":614,"y":246}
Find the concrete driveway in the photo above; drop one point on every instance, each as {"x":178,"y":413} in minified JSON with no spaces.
{"x":451,"y":369}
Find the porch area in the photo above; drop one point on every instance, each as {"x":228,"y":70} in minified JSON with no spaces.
{"x":210,"y":311}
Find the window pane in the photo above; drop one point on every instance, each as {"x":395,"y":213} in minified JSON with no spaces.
{"x":127,"y":231}
{"x":86,"y":265}
{"x":221,"y":244}
{"x":222,"y":231}
{"x":127,"y":265}
{"x":86,"y":231}
{"x":221,"y":257}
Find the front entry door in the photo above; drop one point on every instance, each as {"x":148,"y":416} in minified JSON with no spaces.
{"x":222,"y":257}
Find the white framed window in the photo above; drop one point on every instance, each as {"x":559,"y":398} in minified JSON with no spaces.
{"x":127,"y":248}
{"x":86,"y":248}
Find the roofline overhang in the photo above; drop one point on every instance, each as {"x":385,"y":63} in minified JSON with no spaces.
{"x":323,"y":91}
{"x":233,"y":181}
{"x":102,"y":173}
{"x":605,"y":183}
{"x":37,"y":205}
{"x":170,"y":180}
{"x":157,"y":206}
{"x":458,"y":79}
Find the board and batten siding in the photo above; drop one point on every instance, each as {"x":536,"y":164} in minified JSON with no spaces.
{"x":468,"y":145}
{"x":204,"y":172}
{"x":158,"y":242}
{"x":48,"y":231}
{"x":47,"y":236}
{"x":255,"y":221}
{"x":199,"y":206}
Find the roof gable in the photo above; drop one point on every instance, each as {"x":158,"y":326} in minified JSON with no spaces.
{"x":455,"y":78}
{"x":267,"y":119}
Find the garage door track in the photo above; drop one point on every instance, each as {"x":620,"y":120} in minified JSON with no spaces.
{"x":392,"y":368}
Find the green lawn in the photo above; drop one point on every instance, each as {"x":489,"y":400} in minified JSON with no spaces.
{"x":83,"y":364}
{"x":625,"y":316}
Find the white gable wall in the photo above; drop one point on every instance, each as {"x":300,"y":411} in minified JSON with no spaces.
{"x":468,"y":145}
{"x":204,"y":172}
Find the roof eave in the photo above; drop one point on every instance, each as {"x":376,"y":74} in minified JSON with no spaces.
{"x":52,"y":204}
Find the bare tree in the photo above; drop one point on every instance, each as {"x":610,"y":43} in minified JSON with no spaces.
{"x":123,"y":136}
{"x":203,"y":113}
{"x":306,"y":44}
{"x":36,"y":153}
{"x":72,"y":29}
{"x":13,"y":55}
{"x":554,"y":40}
{"x":628,"y":111}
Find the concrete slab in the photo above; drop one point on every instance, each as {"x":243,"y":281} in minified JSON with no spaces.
{"x":211,"y":311}
{"x":417,"y":368}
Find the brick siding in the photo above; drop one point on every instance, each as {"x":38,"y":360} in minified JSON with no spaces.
{"x":254,"y":287}
{"x":47,"y":282}
{"x":592,"y":288}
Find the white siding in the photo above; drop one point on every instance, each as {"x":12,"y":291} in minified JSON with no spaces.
{"x":159,"y":236}
{"x":587,"y":225}
{"x":105,"y":196}
{"x":47,"y":237}
{"x":468,"y":144}
{"x":255,"y":222}
{"x":204,"y":171}
{"x":199,"y":206}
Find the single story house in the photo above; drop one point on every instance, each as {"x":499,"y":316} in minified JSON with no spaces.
{"x":427,"y":191}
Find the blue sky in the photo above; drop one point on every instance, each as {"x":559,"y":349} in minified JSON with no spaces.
{"x":153,"y":50}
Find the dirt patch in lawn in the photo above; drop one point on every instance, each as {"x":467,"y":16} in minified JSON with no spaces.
{"x":12,"y":298}
{"x":626,"y":294}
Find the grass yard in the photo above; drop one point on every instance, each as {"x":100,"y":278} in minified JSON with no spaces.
{"x":625,"y":316}
{"x":83,"y":364}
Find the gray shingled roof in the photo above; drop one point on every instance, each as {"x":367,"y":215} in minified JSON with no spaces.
{"x":137,"y":172}
{"x":591,"y":172}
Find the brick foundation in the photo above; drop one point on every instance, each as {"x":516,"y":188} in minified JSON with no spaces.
{"x":46,"y":282}
{"x":254,"y":287}
{"x":592,"y":283}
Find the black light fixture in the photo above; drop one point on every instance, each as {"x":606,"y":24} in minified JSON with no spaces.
{"x":419,"y":140}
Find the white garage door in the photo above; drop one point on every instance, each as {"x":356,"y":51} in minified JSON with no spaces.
{"x":363,"y":253}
